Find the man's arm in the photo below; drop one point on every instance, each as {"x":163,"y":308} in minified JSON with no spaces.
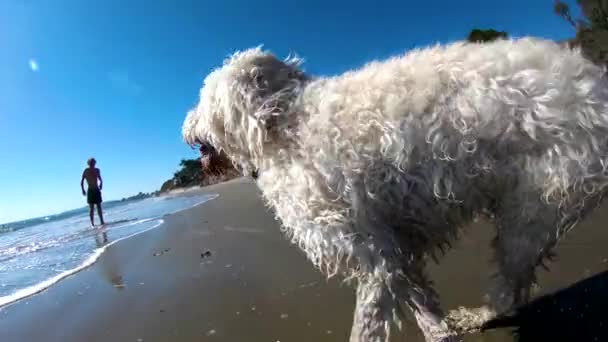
{"x":100,"y":180}
{"x":82,"y":183}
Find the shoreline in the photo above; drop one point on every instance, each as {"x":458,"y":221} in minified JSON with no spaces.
{"x":253,"y":285}
{"x":38,"y":288}
{"x":158,"y":287}
{"x":33,"y":290}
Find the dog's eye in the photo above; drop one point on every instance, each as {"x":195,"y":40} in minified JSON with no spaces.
{"x":259,"y":80}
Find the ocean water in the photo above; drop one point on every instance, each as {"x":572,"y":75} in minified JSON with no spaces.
{"x":37,"y":253}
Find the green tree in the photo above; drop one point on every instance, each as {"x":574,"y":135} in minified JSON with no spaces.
{"x":190,"y":173}
{"x":482,"y":36}
{"x":563,"y":10}
{"x":218,"y":168}
{"x":591,"y":28}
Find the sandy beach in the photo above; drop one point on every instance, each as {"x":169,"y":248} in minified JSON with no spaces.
{"x":253,"y":285}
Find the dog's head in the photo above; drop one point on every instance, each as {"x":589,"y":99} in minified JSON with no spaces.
{"x":245,"y":105}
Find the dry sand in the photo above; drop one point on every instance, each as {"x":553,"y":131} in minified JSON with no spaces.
{"x":254,"y":286}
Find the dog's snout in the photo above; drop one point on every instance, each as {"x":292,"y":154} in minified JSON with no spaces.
{"x":205,"y":148}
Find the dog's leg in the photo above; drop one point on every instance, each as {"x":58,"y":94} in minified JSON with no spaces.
{"x":527,"y":233}
{"x":423,"y":301}
{"x":378,"y":306}
{"x":429,"y":316}
{"x":374,"y":312}
{"x":391,"y":280}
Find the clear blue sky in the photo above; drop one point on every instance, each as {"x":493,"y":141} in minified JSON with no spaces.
{"x":113,"y":79}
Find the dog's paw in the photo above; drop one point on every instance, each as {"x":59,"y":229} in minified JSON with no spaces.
{"x":464,"y":320}
{"x":442,"y":333}
{"x":451,"y":338}
{"x":446,"y":337}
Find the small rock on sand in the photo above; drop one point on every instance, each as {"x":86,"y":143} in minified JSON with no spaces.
{"x":166,"y":250}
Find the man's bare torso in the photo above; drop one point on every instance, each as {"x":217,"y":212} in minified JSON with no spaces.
{"x":91,"y":175}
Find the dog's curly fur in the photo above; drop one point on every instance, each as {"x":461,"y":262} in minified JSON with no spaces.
{"x":375,"y":170}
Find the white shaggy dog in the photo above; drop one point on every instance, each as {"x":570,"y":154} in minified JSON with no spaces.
{"x":373,"y":171}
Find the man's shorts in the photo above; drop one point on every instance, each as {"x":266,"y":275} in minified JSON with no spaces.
{"x":94,"y":196}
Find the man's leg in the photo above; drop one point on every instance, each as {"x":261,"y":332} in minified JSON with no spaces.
{"x":100,"y":213}
{"x":91,"y":213}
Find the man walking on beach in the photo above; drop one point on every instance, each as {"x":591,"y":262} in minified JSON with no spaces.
{"x":93,"y":193}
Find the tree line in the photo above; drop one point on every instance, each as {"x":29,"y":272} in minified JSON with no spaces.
{"x":591,"y":29}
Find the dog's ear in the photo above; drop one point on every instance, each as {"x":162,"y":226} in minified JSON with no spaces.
{"x":271,"y":74}
{"x":274,"y":84}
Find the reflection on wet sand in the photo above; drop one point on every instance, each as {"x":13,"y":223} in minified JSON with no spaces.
{"x":101,"y":238}
{"x":110,"y":268}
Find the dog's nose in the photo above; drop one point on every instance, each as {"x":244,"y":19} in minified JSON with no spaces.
{"x":202,"y":145}
{"x":205,"y":148}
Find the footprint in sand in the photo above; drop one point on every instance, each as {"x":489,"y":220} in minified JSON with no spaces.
{"x":166,"y":250}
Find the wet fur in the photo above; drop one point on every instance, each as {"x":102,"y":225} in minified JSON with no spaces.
{"x":373,"y":171}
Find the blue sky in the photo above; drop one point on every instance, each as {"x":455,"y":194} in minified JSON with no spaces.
{"x":113,"y":79}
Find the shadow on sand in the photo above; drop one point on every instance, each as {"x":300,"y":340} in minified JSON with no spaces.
{"x":576,"y":313}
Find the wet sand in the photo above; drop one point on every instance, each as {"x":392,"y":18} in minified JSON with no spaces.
{"x":255,"y":286}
